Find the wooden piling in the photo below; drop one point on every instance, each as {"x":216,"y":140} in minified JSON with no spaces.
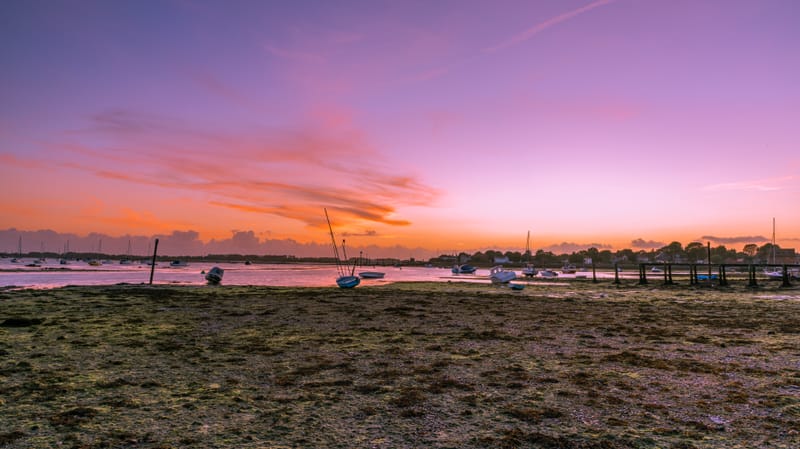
{"x":751,"y":276}
{"x":786,"y":282}
{"x":153,"y":262}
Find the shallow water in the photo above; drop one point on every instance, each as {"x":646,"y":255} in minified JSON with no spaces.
{"x":51,"y":274}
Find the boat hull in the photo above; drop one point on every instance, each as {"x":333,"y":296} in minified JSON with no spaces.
{"x":500,"y":276}
{"x":214,"y":275}
{"x":348,"y":281}
{"x":371,"y":275}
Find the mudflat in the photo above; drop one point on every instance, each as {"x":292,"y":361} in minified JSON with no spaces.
{"x":445,"y":365}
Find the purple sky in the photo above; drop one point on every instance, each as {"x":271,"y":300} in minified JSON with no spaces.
{"x":447,"y":125}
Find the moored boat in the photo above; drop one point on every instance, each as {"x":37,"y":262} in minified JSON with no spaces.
{"x":499,"y":275}
{"x":464,"y":269}
{"x":371,"y":275}
{"x":344,"y":280}
{"x":214,"y":275}
{"x":548,"y":274}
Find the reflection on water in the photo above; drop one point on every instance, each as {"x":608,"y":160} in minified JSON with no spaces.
{"x":52,"y":274}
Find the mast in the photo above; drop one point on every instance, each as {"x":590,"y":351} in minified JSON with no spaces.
{"x":333,"y":240}
{"x":528,"y":247}
{"x":773,"y":240}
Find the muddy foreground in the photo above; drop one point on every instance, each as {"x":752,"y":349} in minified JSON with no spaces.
{"x":400,"y":366}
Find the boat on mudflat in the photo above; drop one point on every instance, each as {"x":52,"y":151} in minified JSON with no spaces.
{"x":548,"y":274}
{"x":344,"y":280}
{"x":371,"y":274}
{"x":214,"y":275}
{"x":499,"y":275}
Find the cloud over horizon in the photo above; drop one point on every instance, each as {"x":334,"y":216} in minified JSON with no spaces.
{"x":265,"y":172}
{"x":647,"y":244}
{"x":740,"y":239}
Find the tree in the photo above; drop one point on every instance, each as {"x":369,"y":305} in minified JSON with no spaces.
{"x":696,"y":251}
{"x":751,"y":249}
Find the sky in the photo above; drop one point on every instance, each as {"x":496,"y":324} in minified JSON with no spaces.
{"x":422,"y":127}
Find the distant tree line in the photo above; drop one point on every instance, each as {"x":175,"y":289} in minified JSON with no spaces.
{"x":675,"y":252}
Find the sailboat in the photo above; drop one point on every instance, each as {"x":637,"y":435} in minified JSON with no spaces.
{"x":773,"y":272}
{"x":127,"y":260}
{"x":369,"y":274}
{"x":344,"y":280}
{"x":528,"y":270}
{"x":19,"y":250}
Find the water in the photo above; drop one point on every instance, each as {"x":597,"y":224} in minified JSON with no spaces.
{"x":51,"y":274}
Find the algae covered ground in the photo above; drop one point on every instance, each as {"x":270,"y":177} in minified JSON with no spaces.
{"x":446,"y":365}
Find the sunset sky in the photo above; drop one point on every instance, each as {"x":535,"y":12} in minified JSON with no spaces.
{"x":441,"y":125}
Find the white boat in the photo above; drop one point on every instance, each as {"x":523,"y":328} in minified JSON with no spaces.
{"x":178,"y":264}
{"x":548,"y":274}
{"x":499,"y":275}
{"x":656,"y":270}
{"x":464,"y":269}
{"x":214,"y":275}
{"x":569,"y":268}
{"x":371,"y":275}
{"x":344,"y":280}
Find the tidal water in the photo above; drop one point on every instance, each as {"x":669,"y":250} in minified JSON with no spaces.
{"x":52,"y":274}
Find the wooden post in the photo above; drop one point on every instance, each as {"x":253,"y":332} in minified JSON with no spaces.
{"x":786,"y":282}
{"x":751,"y":276}
{"x":616,"y":273}
{"x":153,"y":263}
{"x":594,"y":273}
{"x":669,"y":270}
{"x":642,"y":273}
{"x":693,"y":274}
{"x":723,"y":280}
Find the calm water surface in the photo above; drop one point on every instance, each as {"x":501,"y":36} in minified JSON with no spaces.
{"x":51,"y":274}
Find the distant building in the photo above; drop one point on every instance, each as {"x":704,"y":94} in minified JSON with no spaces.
{"x":499,"y":260}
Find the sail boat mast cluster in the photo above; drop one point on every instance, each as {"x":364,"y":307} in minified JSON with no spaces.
{"x":344,"y":280}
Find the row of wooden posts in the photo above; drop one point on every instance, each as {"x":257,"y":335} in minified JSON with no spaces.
{"x":720,"y":278}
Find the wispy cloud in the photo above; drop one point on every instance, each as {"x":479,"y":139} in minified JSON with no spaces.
{"x":539,"y":27}
{"x":365,"y":233}
{"x":731,"y":240}
{"x":293,"y":55}
{"x":761,"y":185}
{"x":647,"y":244}
{"x":570,"y":247}
{"x":288,"y":173}
{"x":8,"y":159}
